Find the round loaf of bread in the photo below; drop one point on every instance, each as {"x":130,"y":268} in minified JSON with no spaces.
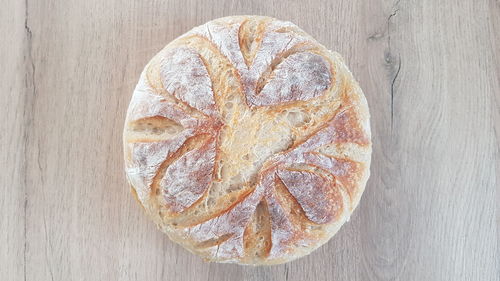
{"x":247,"y":141}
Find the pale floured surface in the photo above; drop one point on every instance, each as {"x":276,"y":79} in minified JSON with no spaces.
{"x":247,"y":141}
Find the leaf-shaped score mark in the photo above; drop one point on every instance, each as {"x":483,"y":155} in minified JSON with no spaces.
{"x":316,"y":194}
{"x":299,"y":77}
{"x":185,"y":76}
{"x":188,"y":177}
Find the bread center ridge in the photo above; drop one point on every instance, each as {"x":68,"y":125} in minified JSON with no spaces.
{"x":248,"y":139}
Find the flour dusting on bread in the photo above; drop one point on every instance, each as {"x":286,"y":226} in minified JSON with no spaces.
{"x":247,"y":141}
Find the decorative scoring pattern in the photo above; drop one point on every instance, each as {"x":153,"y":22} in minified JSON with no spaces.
{"x":299,"y":191}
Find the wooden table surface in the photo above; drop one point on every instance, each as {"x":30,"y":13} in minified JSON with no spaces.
{"x":430,"y":71}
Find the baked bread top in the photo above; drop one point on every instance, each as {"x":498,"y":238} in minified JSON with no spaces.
{"x":247,"y":141}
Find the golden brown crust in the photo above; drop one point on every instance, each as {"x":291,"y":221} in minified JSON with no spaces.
{"x":247,"y":141}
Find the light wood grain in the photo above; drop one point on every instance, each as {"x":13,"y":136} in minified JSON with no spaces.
{"x":430,"y":71}
{"x":15,"y":118}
